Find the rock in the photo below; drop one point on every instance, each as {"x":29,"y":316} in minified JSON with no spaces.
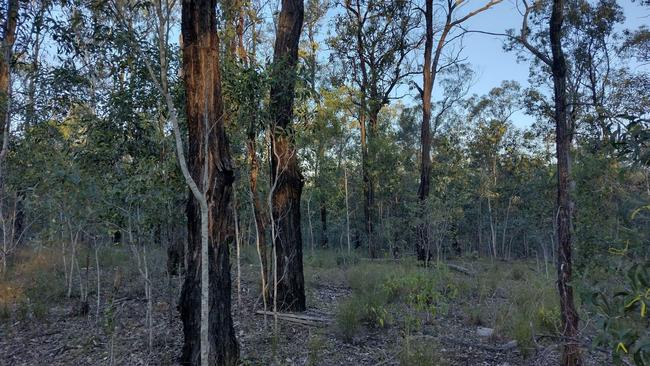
{"x":484,"y":332}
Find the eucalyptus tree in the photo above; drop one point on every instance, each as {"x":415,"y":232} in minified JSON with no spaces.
{"x":557,"y":66}
{"x":314,"y":13}
{"x":434,"y":62}
{"x":6,"y":62}
{"x":286,"y":177}
{"x":372,"y":47}
{"x":209,"y":208}
{"x":205,"y":303}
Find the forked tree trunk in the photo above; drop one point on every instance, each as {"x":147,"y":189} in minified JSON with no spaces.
{"x":285,"y":171}
{"x":211,"y":168}
{"x":563,"y":134}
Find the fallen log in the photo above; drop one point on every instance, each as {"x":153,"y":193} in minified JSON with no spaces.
{"x":460,"y":269}
{"x":298,"y":318}
{"x":502,"y":348}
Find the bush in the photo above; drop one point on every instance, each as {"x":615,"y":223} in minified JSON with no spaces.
{"x":377,"y":287}
{"x":315,"y":346}
{"x":348,"y":319}
{"x":420,"y":353}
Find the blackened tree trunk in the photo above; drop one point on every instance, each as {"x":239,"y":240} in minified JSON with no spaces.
{"x":563,"y":135}
{"x":287,"y":180}
{"x":7,"y":48}
{"x":211,"y":168}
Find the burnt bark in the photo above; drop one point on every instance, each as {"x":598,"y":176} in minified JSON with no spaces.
{"x":6,"y":59}
{"x":563,"y":136}
{"x":286,"y":177}
{"x":208,"y":149}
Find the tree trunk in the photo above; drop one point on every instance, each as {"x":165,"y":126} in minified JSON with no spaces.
{"x":429,"y":72}
{"x":285,"y":171}
{"x":427,"y":87}
{"x":211,"y":168}
{"x":347,"y":207}
{"x":368,"y":181}
{"x":323,"y":222}
{"x":563,"y":134}
{"x":9,"y":33}
{"x":258,"y":212}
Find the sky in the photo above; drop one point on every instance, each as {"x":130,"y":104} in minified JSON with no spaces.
{"x":485,"y":54}
{"x":492,"y":64}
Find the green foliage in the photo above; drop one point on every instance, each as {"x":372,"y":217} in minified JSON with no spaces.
{"x":315,"y":346}
{"x":623,"y":319}
{"x":348,"y":318}
{"x":5,"y":313}
{"x":379,"y":289}
{"x":420,"y":353}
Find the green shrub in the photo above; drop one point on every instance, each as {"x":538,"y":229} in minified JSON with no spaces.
{"x":348,"y":319}
{"x":5,"y":313}
{"x":420,"y":353}
{"x":40,"y":310}
{"x":517,"y":273}
{"x":474,"y":316}
{"x":346,"y":260}
{"x":376,"y":288}
{"x":315,"y":346}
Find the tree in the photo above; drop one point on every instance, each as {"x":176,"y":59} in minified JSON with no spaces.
{"x":11,"y":220}
{"x":286,"y":178}
{"x":6,"y":61}
{"x":430,"y":70}
{"x":206,"y":291}
{"x":563,"y":135}
{"x":376,"y":64}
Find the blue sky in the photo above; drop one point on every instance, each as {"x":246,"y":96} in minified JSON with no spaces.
{"x":492,"y":64}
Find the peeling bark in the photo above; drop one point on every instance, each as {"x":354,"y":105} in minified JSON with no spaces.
{"x":285,"y":171}
{"x":211,"y":168}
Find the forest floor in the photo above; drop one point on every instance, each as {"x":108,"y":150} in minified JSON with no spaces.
{"x":378,"y":313}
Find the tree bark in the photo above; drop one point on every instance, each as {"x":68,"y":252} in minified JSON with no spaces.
{"x":7,"y":44}
{"x":429,"y":72}
{"x":563,"y":135}
{"x":285,"y":171}
{"x":211,"y":168}
{"x":258,"y":211}
{"x":323,"y":222}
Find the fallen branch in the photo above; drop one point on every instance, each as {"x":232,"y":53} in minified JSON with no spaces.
{"x":502,"y":348}
{"x":298,"y":318}
{"x":460,"y":269}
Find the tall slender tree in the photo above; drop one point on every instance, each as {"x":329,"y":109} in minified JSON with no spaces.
{"x":563,"y":137}
{"x":373,"y":46}
{"x":286,"y":178}
{"x":6,"y":59}
{"x":431,"y":67}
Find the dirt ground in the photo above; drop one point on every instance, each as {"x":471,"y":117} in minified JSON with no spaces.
{"x":62,"y":338}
